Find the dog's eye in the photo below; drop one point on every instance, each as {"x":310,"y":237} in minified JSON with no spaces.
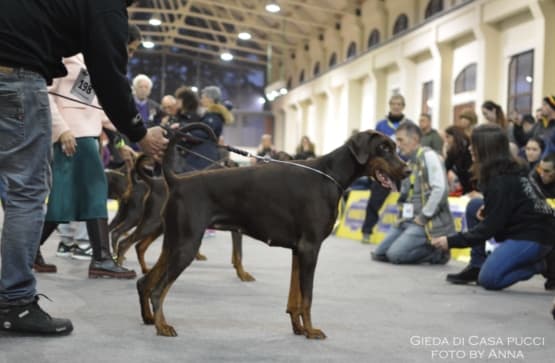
{"x":386,"y":148}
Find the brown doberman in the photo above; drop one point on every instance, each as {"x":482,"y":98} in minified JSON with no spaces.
{"x":149,"y":227}
{"x":280,"y":204}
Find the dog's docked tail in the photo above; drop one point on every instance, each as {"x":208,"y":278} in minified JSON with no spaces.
{"x":140,"y":167}
{"x":188,"y":134}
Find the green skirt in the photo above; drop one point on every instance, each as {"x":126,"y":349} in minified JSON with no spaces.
{"x":79,"y":188}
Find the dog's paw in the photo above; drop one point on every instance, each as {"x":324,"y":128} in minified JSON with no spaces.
{"x":166,"y":330}
{"x":314,"y":334}
{"x":200,"y":257}
{"x":246,"y":277}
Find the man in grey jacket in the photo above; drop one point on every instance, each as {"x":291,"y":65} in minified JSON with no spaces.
{"x":423,"y":205}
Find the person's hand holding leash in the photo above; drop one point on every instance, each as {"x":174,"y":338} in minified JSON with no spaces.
{"x":69,"y":145}
{"x":154,"y":143}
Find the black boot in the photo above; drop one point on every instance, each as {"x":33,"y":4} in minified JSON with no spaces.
{"x":549,"y":272}
{"x":102,"y":263}
{"x":41,"y":266}
{"x":30,"y":318}
{"x":468,"y":275}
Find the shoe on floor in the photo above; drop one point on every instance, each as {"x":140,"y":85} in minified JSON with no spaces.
{"x":468,"y":275}
{"x":376,"y":257}
{"x":30,"y":318}
{"x":549,"y":284}
{"x":40,"y":266}
{"x":366,"y":238}
{"x":108,"y":268}
{"x":65,"y":250}
{"x":82,"y":253}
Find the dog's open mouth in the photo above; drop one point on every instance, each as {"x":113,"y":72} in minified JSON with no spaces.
{"x":385,"y":181}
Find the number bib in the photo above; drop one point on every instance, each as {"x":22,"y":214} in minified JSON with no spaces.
{"x":408,"y":211}
{"x":82,"y":87}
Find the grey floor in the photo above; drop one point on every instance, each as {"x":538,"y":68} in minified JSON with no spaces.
{"x":371,"y":312}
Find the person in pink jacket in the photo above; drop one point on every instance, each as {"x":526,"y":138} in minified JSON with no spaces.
{"x":79,"y":188}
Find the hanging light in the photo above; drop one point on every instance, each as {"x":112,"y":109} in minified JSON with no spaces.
{"x":148,"y":44}
{"x":244,"y":35}
{"x":272,"y":7}
{"x":155,"y":21}
{"x":226,"y":56}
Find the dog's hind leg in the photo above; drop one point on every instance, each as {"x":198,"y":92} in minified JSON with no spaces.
{"x":308,"y":255}
{"x":294,"y":301}
{"x":142,"y":246}
{"x":146,"y":284}
{"x":237,"y":257}
{"x":178,"y":260}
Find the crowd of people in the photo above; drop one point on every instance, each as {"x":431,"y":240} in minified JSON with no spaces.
{"x":506,"y":169}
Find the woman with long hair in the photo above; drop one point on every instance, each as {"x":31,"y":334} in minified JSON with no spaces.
{"x":494,"y":114}
{"x":458,"y":160}
{"x":305,"y":150}
{"x":514,"y":212}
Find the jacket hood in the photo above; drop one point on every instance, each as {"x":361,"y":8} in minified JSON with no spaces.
{"x":222,"y":110}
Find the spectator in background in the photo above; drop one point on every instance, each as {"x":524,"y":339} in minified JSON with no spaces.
{"x":544,"y":175}
{"x":378,"y":194}
{"x":547,"y":129}
{"x":168,"y":105}
{"x":423,"y":202}
{"x":458,"y":160}
{"x":533,"y":151}
{"x":522,"y":128}
{"x":467,"y":120}
{"x":430,"y":137}
{"x":514,"y":212}
{"x":305,"y":150}
{"x":266,"y":148}
{"x":493,"y":113}
{"x":149,"y":109}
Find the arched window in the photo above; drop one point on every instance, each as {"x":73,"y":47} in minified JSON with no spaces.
{"x":466,"y":79}
{"x":433,"y":7}
{"x":401,"y":24}
{"x":521,"y":82}
{"x":289,"y":83}
{"x":333,"y":60}
{"x":316,"y":70}
{"x":352,"y":50}
{"x":374,"y":38}
{"x":301,"y":76}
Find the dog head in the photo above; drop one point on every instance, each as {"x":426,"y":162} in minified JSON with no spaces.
{"x":377,"y":154}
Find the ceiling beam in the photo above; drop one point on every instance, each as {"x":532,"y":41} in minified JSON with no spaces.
{"x":221,"y":45}
{"x":263,"y":13}
{"x":210,"y":52}
{"x":266,"y":28}
{"x":318,"y":7}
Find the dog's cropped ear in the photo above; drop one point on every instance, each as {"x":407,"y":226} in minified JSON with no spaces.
{"x":360,"y":147}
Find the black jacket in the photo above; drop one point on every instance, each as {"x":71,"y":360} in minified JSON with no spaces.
{"x":37,"y":34}
{"x":514,"y":209}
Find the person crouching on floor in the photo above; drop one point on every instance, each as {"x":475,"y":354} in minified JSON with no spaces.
{"x":423,"y":205}
{"x":515,"y":213}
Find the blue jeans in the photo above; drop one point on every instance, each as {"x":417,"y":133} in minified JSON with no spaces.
{"x":407,"y":244}
{"x":477,"y":253}
{"x":512,"y":261}
{"x":25,"y":132}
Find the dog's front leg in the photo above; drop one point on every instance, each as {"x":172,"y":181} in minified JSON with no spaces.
{"x":307,"y":265}
{"x":294,"y":301}
{"x":237,"y":257}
